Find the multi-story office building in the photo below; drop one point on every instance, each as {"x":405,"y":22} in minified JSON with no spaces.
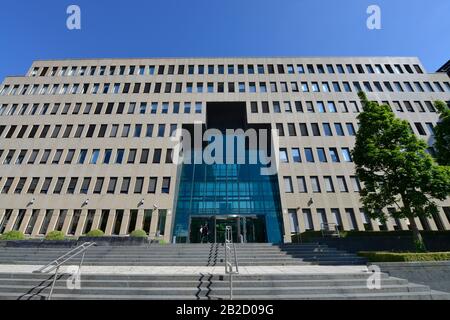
{"x":445,"y":68}
{"x":86,"y":144}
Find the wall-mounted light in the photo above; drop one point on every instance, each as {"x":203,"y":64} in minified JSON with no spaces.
{"x":32,"y":201}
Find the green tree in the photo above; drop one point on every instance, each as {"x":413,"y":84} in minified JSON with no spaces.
{"x":442,"y":134}
{"x":395,"y":168}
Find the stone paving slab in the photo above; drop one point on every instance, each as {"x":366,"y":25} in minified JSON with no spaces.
{"x":185,"y":270}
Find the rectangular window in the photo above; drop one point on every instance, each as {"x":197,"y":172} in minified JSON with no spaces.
{"x":165,"y":185}
{"x":112,"y":186}
{"x":288,"y":185}
{"x":304,"y":130}
{"x":20,"y":185}
{"x":328,"y":184}
{"x":309,"y":155}
{"x":125,"y":185}
{"x":355,"y":183}
{"x":152,"y":185}
{"x":334,"y":155}
{"x":291,"y":130}
{"x":98,"y":185}
{"x":161,"y":130}
{"x":157,"y":156}
{"x":85,"y":186}
{"x":119,"y":156}
{"x":342,"y":184}
{"x":307,"y":217}
{"x":346,"y":155}
{"x":293,"y":221}
{"x":132,"y":156}
{"x":351,"y":218}
{"x":280,"y":129}
{"x":351,"y":129}
{"x":322,"y":155}
{"x":327,"y":129}
{"x":339,"y":129}
{"x":296,"y":155}
{"x":144,"y":156}
{"x":315,"y":184}
{"x":72,"y":185}
{"x":198,"y":107}
{"x":284,"y":156}
{"x":138,"y":185}
{"x":420,"y":129}
{"x":301,"y":182}
{"x":187,"y":107}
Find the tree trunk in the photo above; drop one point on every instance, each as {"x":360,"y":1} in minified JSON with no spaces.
{"x":417,"y":237}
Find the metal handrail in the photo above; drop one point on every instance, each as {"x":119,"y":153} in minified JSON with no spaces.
{"x":330,"y":228}
{"x":230,"y":250}
{"x":57,"y":263}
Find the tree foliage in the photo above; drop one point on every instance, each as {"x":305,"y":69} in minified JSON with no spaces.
{"x":442,"y":134}
{"x":395,"y":168}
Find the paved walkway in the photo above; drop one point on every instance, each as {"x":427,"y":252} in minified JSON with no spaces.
{"x":253,"y":270}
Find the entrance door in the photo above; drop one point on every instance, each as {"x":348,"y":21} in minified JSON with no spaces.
{"x":247,"y":229}
{"x":196,"y":224}
{"x":222,"y":223}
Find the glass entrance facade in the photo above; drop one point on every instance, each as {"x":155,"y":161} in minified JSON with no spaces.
{"x":228,"y":194}
{"x":245,"y":229}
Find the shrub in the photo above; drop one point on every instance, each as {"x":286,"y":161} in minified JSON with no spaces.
{"x":404,"y":256}
{"x":12,"y":235}
{"x":138,"y":234}
{"x":55,"y":235}
{"x":95,"y":233}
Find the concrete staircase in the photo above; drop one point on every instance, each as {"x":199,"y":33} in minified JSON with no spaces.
{"x":213,"y":287}
{"x":325,"y":283}
{"x":188,"y":255}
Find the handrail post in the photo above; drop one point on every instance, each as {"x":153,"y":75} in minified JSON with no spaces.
{"x":231,"y":286}
{"x":55,"y":276}
{"x":230,"y":253}
{"x":81,"y":264}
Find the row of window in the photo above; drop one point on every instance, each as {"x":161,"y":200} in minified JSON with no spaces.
{"x":115,"y":218}
{"x":314,"y":185}
{"x":87,"y":131}
{"x":176,"y":107}
{"x":133,"y":107}
{"x":315,"y":129}
{"x":211,"y":69}
{"x":96,"y":156}
{"x":219,"y":87}
{"x":333,"y":155}
{"x":327,"y":130}
{"x":332,"y":107}
{"x":86,"y":185}
{"x":336,"y":217}
{"x":136,"y":130}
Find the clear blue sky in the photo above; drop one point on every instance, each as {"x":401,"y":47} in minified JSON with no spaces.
{"x":172,"y":28}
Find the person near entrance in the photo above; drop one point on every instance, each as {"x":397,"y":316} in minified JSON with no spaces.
{"x":204,"y":232}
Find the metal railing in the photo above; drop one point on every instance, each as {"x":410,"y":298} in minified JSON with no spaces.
{"x":57,"y":263}
{"x":231,"y":261}
{"x":330,"y":229}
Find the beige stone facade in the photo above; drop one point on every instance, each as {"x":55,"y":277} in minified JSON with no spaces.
{"x":38,"y":109}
